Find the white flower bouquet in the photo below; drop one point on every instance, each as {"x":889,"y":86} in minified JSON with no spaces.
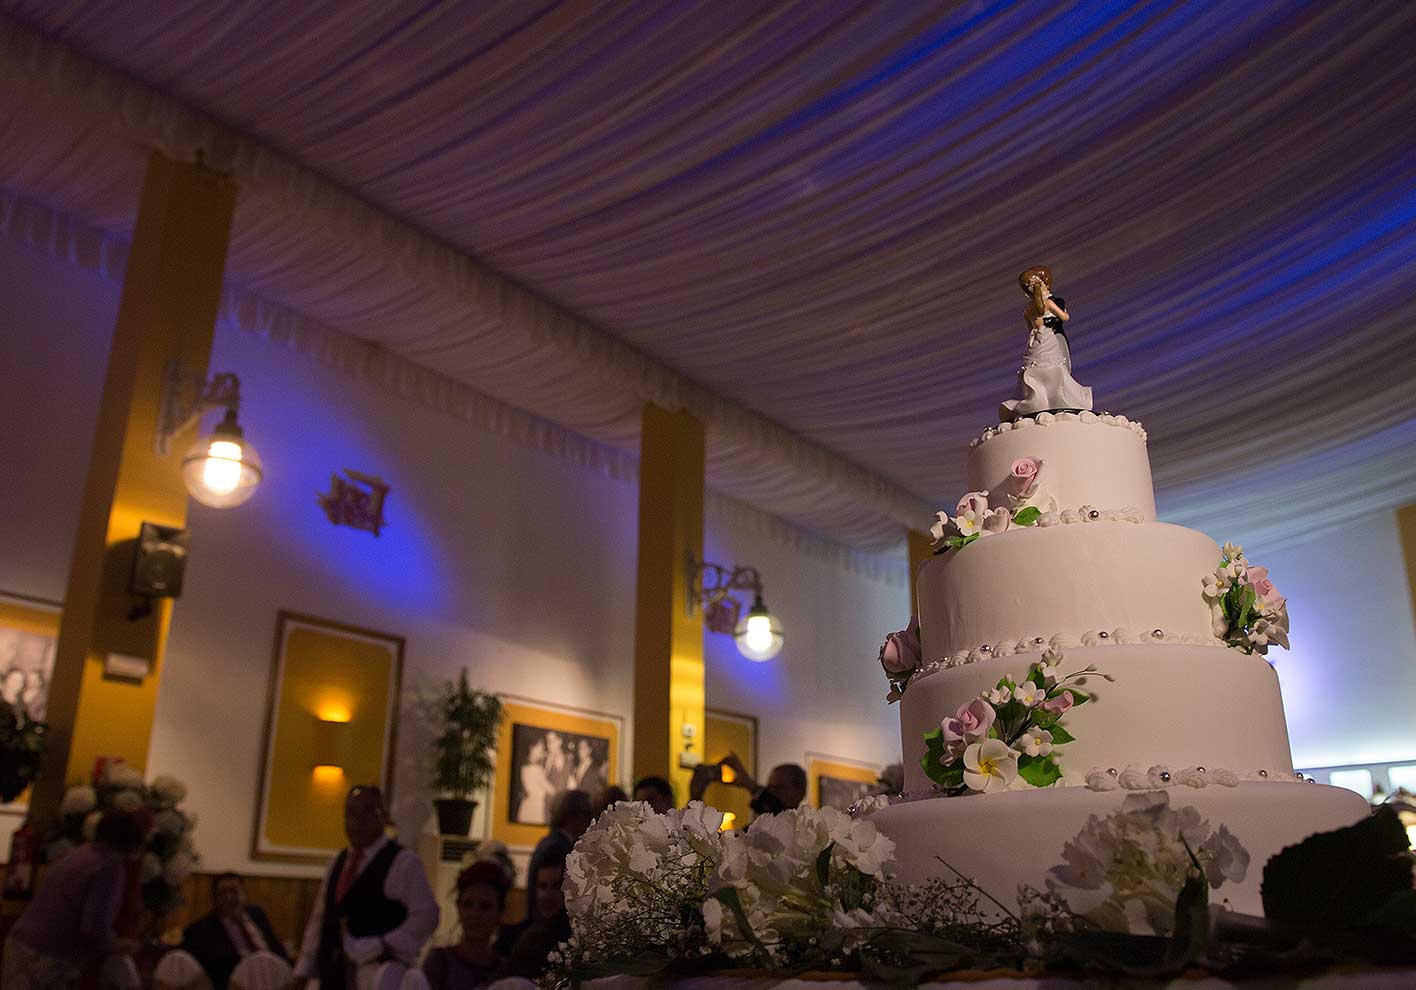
{"x":1247,"y":611}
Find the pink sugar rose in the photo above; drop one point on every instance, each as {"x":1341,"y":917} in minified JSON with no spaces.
{"x":1059,"y":705}
{"x":1024,"y":468}
{"x":975,"y":502}
{"x":969,"y":724}
{"x":901,"y":652}
{"x":1257,"y":578}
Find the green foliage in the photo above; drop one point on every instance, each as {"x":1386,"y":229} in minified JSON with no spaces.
{"x":466,"y":739}
{"x":21,"y":744}
{"x":1026,"y":516}
{"x":1334,"y":878}
{"x":1040,"y":771}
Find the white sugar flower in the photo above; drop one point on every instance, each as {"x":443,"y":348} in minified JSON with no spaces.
{"x":1216,"y":584}
{"x":1048,"y":672}
{"x":1036,"y":742}
{"x":78,"y":801}
{"x":990,"y":766}
{"x":1029,"y":694}
{"x":999,"y":695}
{"x":1233,"y":551}
{"x":1219,"y":622}
{"x":1265,"y":632}
{"x":967,"y":522}
{"x":1224,"y":858}
{"x":943,"y":527}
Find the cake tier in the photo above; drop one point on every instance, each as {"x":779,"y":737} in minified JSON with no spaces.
{"x":1003,"y":840}
{"x":1170,"y":706}
{"x":1098,"y":461}
{"x":1069,"y":579}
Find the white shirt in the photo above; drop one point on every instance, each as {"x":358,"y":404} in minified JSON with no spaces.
{"x":406,"y":884}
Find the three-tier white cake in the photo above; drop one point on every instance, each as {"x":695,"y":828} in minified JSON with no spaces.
{"x":1087,"y":577}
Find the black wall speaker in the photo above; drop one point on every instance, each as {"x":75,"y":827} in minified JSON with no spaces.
{"x":159,"y":562}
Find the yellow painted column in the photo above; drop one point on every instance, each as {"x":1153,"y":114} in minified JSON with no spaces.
{"x":919,"y":552}
{"x":1406,"y":526}
{"x":167,"y":313}
{"x":668,"y":639}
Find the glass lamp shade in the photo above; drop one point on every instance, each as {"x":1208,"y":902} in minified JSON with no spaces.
{"x":222,"y":469}
{"x":759,"y":634}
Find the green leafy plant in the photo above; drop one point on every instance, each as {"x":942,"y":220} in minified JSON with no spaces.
{"x":467,"y":738}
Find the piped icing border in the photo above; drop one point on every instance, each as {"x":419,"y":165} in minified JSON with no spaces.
{"x":1121,"y":636}
{"x":1047,"y":419}
{"x":1101,"y":780}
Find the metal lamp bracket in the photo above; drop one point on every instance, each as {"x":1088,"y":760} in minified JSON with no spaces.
{"x":710,"y":583}
{"x":186,"y":396}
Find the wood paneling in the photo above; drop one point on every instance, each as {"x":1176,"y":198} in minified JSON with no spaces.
{"x":287,"y":901}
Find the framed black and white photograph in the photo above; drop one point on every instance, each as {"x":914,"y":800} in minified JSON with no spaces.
{"x":546,"y":762}
{"x":838,"y":782}
{"x":544,"y":749}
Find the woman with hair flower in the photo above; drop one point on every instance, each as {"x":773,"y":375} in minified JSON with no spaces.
{"x":473,"y":961}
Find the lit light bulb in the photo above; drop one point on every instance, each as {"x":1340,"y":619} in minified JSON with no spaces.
{"x":222,"y":471}
{"x":759,"y":632}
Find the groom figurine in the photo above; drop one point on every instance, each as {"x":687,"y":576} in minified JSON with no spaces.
{"x":374,"y":910}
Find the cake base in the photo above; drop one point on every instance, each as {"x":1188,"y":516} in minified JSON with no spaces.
{"x":1003,"y":840}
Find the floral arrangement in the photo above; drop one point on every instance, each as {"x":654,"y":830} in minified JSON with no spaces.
{"x":1007,"y":737}
{"x":21,"y":745}
{"x":803,"y":889}
{"x":169,"y":856}
{"x":1125,"y":872}
{"x":973,"y":519}
{"x":1248,"y":612}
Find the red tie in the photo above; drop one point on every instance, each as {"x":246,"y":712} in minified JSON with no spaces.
{"x":346,"y":878}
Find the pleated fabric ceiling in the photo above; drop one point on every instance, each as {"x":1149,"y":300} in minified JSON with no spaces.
{"x":804,"y":220}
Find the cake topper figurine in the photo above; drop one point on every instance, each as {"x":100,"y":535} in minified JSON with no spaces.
{"x":1045,"y":382}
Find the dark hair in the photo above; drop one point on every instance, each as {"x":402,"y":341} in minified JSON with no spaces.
{"x":658,"y":784}
{"x":568,"y":803}
{"x":216,"y":881}
{"x":795,"y":772}
{"x":606,"y":797}
{"x":482,"y":872}
{"x":555,"y":859}
{"x":123,"y":830}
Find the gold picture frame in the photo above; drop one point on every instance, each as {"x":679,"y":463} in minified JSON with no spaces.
{"x":331,"y":723}
{"x":730,"y":732}
{"x":29,"y":633}
{"x":839,"y":780}
{"x":543,"y":748}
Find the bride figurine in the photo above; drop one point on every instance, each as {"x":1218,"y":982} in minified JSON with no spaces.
{"x":1045,"y":382}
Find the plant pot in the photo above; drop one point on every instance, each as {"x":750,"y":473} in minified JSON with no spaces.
{"x":455,"y":816}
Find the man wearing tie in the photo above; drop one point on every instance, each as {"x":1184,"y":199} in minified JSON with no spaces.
{"x":374,"y":910}
{"x":231,"y":932}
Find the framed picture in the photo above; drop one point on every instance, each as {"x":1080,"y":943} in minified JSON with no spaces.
{"x":542,"y":750}
{"x":724,"y":733}
{"x":838,"y":782}
{"x":29,"y":631}
{"x":331,"y":723}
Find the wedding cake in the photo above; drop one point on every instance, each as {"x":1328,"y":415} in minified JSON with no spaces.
{"x":1071,"y":650}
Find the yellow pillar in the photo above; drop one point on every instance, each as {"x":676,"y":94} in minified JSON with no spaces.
{"x":668,"y":639}
{"x":1406,"y":526}
{"x":167,"y":313}
{"x":919,"y":551}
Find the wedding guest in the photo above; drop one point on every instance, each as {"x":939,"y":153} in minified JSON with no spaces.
{"x":606,"y":798}
{"x":70,"y":924}
{"x":374,"y":909}
{"x":231,"y":931}
{"x":571,"y":815}
{"x":785,"y":788}
{"x":529,"y":956}
{"x":474,"y":961}
{"x":656,"y":792}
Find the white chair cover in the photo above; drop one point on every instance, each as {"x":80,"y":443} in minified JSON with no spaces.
{"x":261,"y":971}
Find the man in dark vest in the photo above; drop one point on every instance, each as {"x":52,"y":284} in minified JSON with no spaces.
{"x":374,"y":910}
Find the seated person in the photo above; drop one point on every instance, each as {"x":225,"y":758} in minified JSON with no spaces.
{"x":473,"y":961}
{"x":231,"y":931}
{"x":656,"y":792}
{"x":552,"y":927}
{"x":606,"y":798}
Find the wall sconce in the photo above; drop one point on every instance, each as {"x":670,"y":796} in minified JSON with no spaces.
{"x":221,"y":469}
{"x":759,"y":633}
{"x":333,"y":746}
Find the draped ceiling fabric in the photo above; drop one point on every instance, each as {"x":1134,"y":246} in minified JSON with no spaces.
{"x":804,"y":220}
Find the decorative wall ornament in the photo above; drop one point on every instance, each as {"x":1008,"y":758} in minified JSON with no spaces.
{"x":356,"y":500}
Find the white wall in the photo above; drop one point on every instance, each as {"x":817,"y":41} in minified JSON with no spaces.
{"x":514,"y":562}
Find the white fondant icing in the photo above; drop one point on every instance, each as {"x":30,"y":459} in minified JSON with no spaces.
{"x":1069,"y":579}
{"x":1014,"y":837}
{"x":1081,"y":464}
{"x":1169,"y":706}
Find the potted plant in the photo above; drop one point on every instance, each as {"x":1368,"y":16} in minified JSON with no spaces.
{"x":464,"y":749}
